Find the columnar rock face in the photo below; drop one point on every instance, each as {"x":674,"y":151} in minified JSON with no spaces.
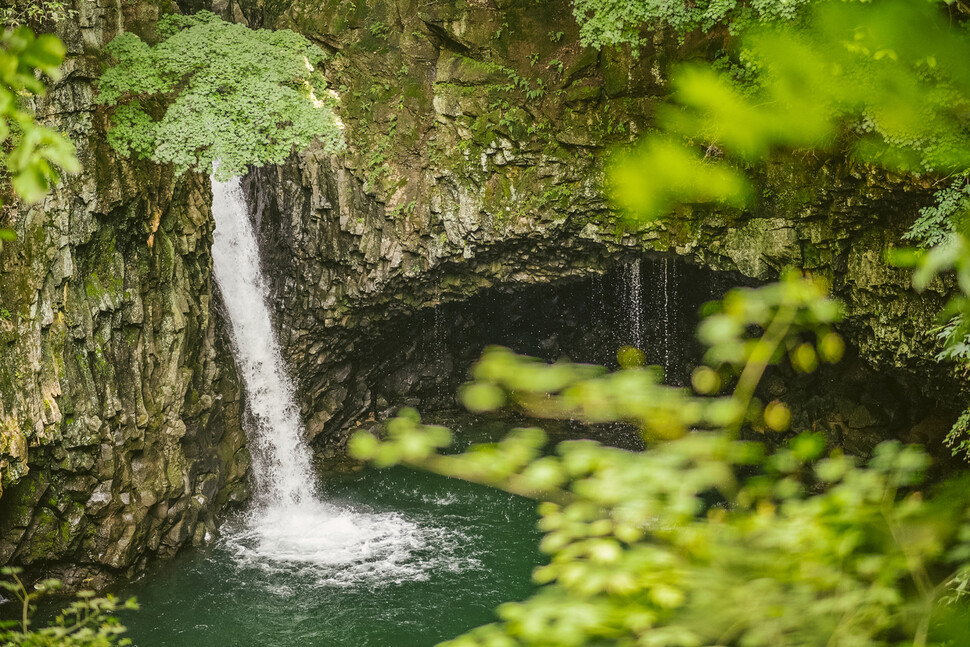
{"x":346,"y":278}
{"x":120,"y":431}
{"x":465,"y":171}
{"x":478,"y":134}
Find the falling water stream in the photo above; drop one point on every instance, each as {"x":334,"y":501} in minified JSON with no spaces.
{"x":635,"y":301}
{"x":665,"y":314}
{"x":281,"y":462}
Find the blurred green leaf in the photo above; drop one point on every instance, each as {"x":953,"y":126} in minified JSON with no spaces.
{"x":648,"y":181}
{"x":482,"y":397}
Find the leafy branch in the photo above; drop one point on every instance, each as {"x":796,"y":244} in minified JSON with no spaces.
{"x":86,"y":622}
{"x":32,"y":152}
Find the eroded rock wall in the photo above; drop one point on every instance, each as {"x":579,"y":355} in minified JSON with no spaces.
{"x":478,"y":134}
{"x":120,"y":434}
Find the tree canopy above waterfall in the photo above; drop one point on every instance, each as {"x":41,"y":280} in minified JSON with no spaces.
{"x":211,"y":90}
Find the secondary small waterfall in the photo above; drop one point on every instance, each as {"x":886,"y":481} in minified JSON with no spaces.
{"x":666,"y":314}
{"x":290,"y":529}
{"x":634,"y":302}
{"x":440,"y":349}
{"x":669,"y":314}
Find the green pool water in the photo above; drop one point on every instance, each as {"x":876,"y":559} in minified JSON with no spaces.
{"x":464,"y":549}
{"x":386,"y":558}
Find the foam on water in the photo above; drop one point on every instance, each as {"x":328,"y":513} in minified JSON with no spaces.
{"x":290,"y":529}
{"x":325,"y":545}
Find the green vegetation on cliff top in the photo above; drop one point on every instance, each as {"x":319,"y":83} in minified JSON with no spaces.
{"x":212,"y":91}
{"x":613,"y":22}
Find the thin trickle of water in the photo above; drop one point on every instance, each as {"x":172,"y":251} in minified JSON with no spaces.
{"x":634,"y":302}
{"x":669,"y":314}
{"x":290,"y":530}
{"x":665,"y":288}
{"x":439,"y":351}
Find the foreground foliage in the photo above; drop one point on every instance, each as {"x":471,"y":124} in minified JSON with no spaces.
{"x":705,"y":539}
{"x":215,"y":91}
{"x":884,"y":81}
{"x":31,"y":151}
{"x":86,"y":622}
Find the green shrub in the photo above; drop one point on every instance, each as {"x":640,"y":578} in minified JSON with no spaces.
{"x":212,"y":91}
{"x":706,"y":539}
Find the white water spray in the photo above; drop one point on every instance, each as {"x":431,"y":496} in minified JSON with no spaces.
{"x":290,"y":529}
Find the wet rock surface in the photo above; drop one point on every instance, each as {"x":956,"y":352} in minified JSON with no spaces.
{"x":477,"y":136}
{"x":120,"y":435}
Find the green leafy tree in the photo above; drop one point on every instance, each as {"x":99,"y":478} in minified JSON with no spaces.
{"x":212,"y":91}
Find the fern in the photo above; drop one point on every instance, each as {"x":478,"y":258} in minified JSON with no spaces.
{"x":958,"y":439}
{"x":936,"y":223}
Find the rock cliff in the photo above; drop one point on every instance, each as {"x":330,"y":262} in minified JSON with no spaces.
{"x":120,"y":433}
{"x":478,"y":136}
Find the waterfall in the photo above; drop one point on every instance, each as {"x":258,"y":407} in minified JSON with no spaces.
{"x":669,"y":291}
{"x":635,"y":303}
{"x":439,"y":349}
{"x":290,"y":529}
{"x":280,"y":459}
